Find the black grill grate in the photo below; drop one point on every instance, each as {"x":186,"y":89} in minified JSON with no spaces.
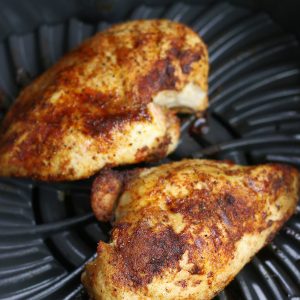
{"x":47,"y":231}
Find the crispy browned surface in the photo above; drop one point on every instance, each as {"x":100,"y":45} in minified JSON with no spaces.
{"x":184,"y":230}
{"x":95,"y":106}
{"x":105,"y":191}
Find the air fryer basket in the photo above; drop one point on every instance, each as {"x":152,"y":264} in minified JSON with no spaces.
{"x":47,"y":231}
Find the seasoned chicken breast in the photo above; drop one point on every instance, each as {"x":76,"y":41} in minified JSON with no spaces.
{"x":184,"y":230}
{"x":111,"y":101}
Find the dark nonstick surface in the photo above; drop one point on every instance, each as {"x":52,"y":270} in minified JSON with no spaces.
{"x":47,"y":231}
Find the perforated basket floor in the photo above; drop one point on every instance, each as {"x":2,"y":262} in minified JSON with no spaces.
{"x":47,"y":231}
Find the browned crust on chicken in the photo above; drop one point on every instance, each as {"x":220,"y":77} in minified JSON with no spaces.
{"x":184,"y":230}
{"x":78,"y":116}
{"x":106,"y":189}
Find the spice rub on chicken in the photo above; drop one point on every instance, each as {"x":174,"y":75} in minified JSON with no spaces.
{"x":111,"y":101}
{"x":184,"y":230}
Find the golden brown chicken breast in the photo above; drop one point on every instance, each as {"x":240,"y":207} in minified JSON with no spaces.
{"x":184,"y":230}
{"x":109,"y":102}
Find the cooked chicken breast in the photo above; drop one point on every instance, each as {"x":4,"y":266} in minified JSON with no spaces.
{"x":111,"y":101}
{"x":184,"y":230}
